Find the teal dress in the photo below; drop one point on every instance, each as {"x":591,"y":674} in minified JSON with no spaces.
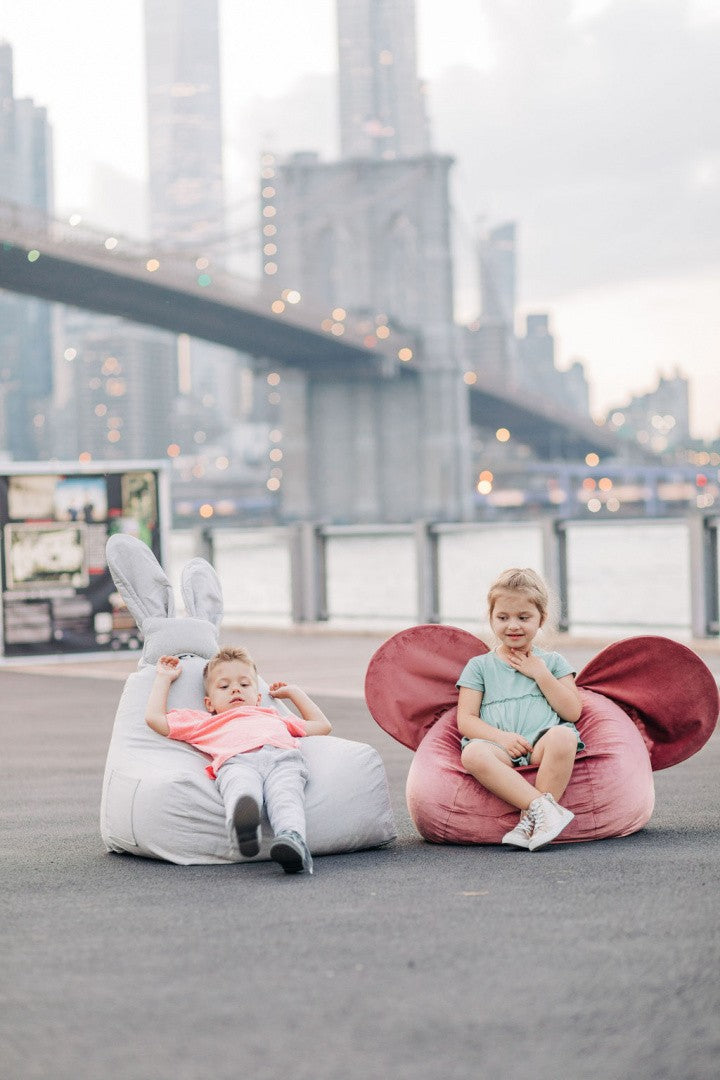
{"x":512,"y":701}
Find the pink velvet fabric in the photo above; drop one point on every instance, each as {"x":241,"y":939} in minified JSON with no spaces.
{"x":668,"y":691}
{"x":647,"y":702}
{"x":611,"y":791}
{"x":410,"y":681}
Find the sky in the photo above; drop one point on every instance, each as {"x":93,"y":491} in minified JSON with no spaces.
{"x":594,"y":124}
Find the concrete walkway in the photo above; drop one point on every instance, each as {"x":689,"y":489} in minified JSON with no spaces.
{"x":594,"y":961}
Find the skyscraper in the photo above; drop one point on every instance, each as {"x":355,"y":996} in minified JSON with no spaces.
{"x":370,"y":234}
{"x":182,"y":59}
{"x":497,"y":258}
{"x":382,"y":108}
{"x":25,"y":324}
{"x":123,"y":380}
{"x":184,"y":114}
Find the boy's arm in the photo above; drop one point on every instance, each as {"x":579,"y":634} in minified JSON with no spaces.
{"x":316,"y":722}
{"x":168,"y":669}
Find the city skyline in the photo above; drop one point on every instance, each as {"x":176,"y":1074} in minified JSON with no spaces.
{"x":632,"y":303}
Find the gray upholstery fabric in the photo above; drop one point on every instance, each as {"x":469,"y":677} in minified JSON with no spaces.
{"x":157,"y":799}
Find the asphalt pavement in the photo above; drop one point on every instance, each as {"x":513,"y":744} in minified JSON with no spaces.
{"x":596,"y":960}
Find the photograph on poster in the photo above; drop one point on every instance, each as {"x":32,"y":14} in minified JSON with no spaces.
{"x":81,"y":498}
{"x":42,"y":555}
{"x":139,"y":498}
{"x":31,"y":498}
{"x":132,"y":527}
{"x":56,"y":592}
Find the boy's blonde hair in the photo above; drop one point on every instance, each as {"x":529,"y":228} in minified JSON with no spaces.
{"x":517,"y":580}
{"x":225,"y":655}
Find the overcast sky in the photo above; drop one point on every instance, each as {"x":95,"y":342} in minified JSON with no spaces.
{"x":592,"y":123}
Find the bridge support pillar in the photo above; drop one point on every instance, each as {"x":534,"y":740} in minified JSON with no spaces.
{"x":296,"y":487}
{"x":383,"y":451}
{"x":445,"y":445}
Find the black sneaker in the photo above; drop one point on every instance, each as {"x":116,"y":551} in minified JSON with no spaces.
{"x":290,"y":850}
{"x":246,"y":822}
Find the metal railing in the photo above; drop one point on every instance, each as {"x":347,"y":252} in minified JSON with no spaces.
{"x":653,"y":575}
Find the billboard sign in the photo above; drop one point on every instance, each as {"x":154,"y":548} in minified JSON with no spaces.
{"x":57,"y":594}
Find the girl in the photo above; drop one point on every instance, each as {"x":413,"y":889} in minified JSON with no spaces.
{"x":518,"y":706}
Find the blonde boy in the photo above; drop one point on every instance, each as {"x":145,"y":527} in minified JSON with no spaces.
{"x":254,"y":750}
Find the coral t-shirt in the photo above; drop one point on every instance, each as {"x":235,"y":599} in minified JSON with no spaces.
{"x":235,"y":731}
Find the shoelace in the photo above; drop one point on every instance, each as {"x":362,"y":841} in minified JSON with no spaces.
{"x":539,"y":816}
{"x":526,"y":824}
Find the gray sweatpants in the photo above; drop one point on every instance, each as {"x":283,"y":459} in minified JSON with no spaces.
{"x":275,"y":778}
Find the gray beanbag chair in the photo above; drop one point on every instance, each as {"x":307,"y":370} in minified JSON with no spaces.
{"x":157,"y":799}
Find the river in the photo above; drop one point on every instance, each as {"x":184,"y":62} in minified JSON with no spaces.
{"x":623,"y":578}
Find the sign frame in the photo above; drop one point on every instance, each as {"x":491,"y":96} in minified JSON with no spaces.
{"x":57,"y":598}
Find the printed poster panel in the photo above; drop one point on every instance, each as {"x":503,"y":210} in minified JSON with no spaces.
{"x":57,"y":593}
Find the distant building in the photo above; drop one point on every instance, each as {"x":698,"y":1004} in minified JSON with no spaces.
{"x":489,"y":344}
{"x":658,"y":420}
{"x":497,"y":258}
{"x":173,"y":390}
{"x":116,"y":389}
{"x":577,"y":388}
{"x":370,"y":234}
{"x":382,"y":106}
{"x":567,"y":389}
{"x":493,"y":349}
{"x":26,"y":380}
{"x":182,"y":66}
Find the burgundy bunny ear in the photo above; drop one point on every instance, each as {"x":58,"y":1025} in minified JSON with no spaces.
{"x":410,"y":680}
{"x":664,"y":687}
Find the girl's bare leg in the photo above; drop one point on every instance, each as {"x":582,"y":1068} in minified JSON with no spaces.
{"x":554,"y":753}
{"x":491,"y":766}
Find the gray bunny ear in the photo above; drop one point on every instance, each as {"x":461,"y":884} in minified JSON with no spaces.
{"x":202,"y":592}
{"x":140,"y":579}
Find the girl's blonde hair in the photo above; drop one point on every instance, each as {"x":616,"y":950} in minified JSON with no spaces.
{"x":517,"y":580}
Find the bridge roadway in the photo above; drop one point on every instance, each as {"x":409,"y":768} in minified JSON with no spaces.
{"x":592,"y":961}
{"x":76,"y":267}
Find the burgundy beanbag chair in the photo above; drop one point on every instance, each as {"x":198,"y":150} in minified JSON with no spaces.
{"x":648,"y":703}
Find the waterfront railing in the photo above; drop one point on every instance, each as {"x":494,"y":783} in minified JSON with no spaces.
{"x":610,"y":577}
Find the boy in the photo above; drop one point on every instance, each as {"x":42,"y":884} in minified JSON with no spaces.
{"x":254,"y":750}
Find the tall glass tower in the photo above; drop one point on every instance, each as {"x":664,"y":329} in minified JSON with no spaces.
{"x":182,"y":61}
{"x":370,"y":234}
{"x":497,"y":257}
{"x":382,"y":108}
{"x":187,"y":211}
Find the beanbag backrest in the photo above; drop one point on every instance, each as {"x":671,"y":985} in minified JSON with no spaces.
{"x":157,"y":799}
{"x":410,"y":681}
{"x":665,"y":687}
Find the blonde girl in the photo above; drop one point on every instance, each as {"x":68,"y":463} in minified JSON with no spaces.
{"x":517,"y":706}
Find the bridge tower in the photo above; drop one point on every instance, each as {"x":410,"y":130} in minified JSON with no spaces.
{"x":370,"y":235}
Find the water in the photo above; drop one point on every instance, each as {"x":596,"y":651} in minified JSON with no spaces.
{"x":624,"y":578}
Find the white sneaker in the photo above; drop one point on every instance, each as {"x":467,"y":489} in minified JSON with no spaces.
{"x":550,"y":819}
{"x":520,"y":836}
